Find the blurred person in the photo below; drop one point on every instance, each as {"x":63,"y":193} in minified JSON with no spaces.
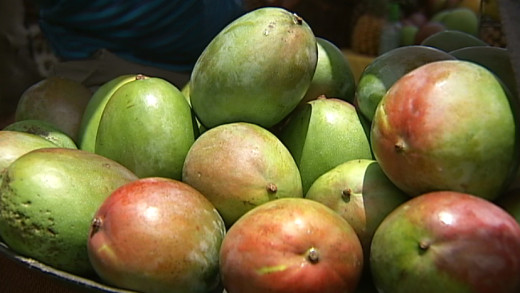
{"x":96,"y":40}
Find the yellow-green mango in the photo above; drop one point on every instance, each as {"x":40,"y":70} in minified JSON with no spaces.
{"x":90,"y":120}
{"x":44,"y":129}
{"x":256,"y":70}
{"x":48,"y":198}
{"x":323,"y":134}
{"x":147,"y":126}
{"x":333,"y":76}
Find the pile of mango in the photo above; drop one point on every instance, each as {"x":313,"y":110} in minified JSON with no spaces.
{"x":271,"y":170}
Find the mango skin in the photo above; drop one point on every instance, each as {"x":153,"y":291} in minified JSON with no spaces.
{"x":157,"y":235}
{"x":386,"y":69}
{"x":90,"y":119}
{"x":333,"y":76}
{"x":239,"y":166}
{"x":448,"y":242}
{"x":291,"y":245}
{"x":447,"y":125}
{"x":322,"y":135}
{"x":256,"y":70}
{"x":14,"y":144}
{"x":148,"y":127}
{"x":47,"y":200}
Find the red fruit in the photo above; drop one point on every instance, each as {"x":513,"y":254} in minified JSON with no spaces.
{"x":447,"y":125}
{"x":447,"y":242}
{"x":291,"y":245}
{"x":157,"y":235}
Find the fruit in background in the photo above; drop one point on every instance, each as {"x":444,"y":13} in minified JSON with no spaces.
{"x":427,"y":30}
{"x":57,"y":100}
{"x":186,"y":92}
{"x":473,"y":5}
{"x":333,"y":76}
{"x":386,"y":69}
{"x":157,"y":235}
{"x":323,"y":134}
{"x":451,"y":40}
{"x":92,"y":115}
{"x":430,"y":132}
{"x":14,"y":144}
{"x":408,"y":33}
{"x":256,"y":70}
{"x":291,"y":245}
{"x":366,"y":34}
{"x":436,"y":6}
{"x":45,"y":130}
{"x":360,"y":192}
{"x":47,"y":200}
{"x":147,"y":126}
{"x":417,"y":18}
{"x":454,"y":242}
{"x":239,"y":166}
{"x":459,"y":19}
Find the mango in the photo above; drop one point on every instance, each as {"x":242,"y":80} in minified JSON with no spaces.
{"x":148,"y":127}
{"x":256,"y":70}
{"x":361,"y":193}
{"x":239,"y":166}
{"x":89,"y":124}
{"x":45,"y":130}
{"x":14,"y":144}
{"x":333,"y":76}
{"x":57,"y":100}
{"x":48,"y":198}
{"x":451,"y":40}
{"x":447,"y":125}
{"x":324,"y":134}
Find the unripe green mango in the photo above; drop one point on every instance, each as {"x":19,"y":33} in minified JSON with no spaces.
{"x":322,"y":135}
{"x":333,"y":76}
{"x":256,"y":70}
{"x":239,"y":166}
{"x":45,"y":130}
{"x":89,"y":125}
{"x":147,"y":126}
{"x":48,"y":198}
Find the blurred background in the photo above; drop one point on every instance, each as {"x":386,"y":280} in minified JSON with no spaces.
{"x":362,"y":29}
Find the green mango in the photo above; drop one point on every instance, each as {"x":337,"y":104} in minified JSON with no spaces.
{"x":256,"y":70}
{"x":361,"y":193}
{"x":386,"y":69}
{"x":333,"y":76}
{"x":48,"y":198}
{"x":239,"y":166}
{"x":90,"y":120}
{"x":324,"y":134}
{"x":147,"y":126}
{"x":44,"y":129}
{"x":14,"y":144}
{"x":495,"y":59}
